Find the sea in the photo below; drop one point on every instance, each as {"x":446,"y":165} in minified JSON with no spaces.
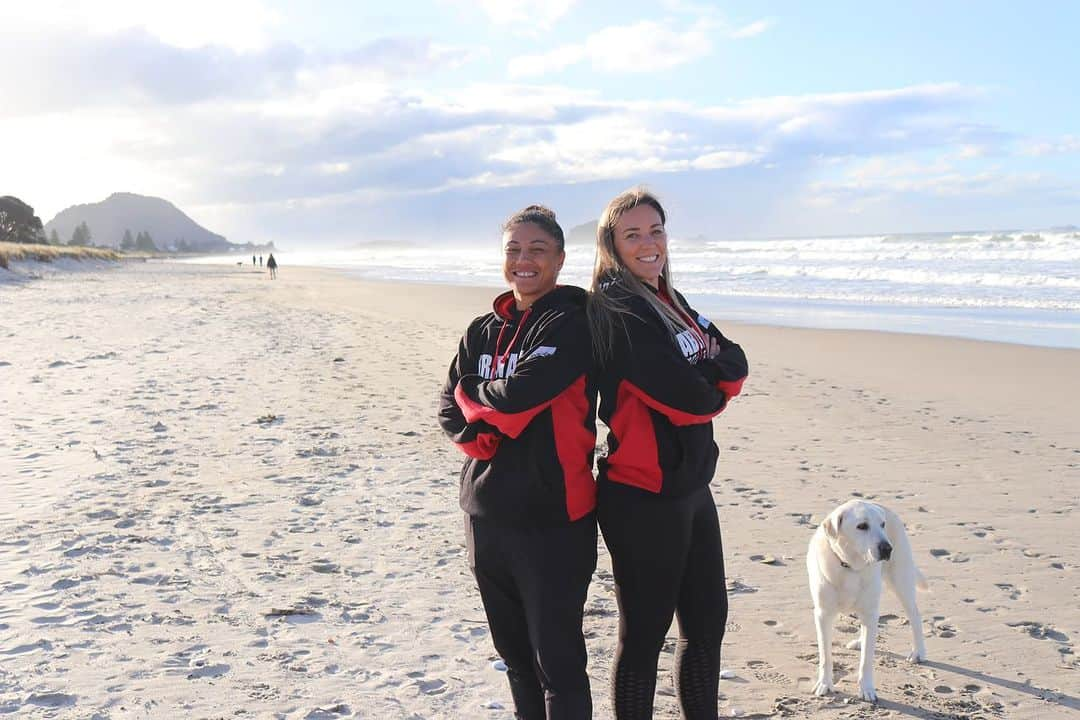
{"x":1017,"y":286}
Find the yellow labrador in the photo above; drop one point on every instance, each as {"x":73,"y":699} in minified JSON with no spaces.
{"x":850,"y":551}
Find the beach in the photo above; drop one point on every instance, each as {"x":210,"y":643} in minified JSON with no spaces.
{"x":226,"y":496}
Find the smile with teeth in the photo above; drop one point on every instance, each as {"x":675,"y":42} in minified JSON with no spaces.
{"x":649,"y":258}
{"x":524,"y":273}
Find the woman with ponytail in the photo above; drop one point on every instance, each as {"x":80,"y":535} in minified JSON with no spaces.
{"x":665,"y":372}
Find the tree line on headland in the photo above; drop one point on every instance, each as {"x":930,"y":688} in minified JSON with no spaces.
{"x":160,"y":227}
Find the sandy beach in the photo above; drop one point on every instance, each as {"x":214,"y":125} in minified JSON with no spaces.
{"x":226,"y":496}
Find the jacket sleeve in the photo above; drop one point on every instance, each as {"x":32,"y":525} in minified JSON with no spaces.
{"x":477,"y":439}
{"x":556,"y":358}
{"x":653,"y":369}
{"x":728,"y":369}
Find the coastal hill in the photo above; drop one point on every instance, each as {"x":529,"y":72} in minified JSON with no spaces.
{"x":583,"y":234}
{"x":167,"y":225}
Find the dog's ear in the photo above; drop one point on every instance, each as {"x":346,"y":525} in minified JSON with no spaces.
{"x":832,"y":524}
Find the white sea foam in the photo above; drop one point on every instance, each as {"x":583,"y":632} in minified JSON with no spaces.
{"x":988,"y":272}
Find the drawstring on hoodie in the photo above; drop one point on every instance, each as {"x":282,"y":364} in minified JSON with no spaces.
{"x":500,"y":360}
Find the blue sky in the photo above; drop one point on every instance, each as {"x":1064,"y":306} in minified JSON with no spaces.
{"x":331,"y":123}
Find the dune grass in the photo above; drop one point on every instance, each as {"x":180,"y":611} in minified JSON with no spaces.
{"x":15,"y":252}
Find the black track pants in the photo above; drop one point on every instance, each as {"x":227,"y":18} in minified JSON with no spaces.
{"x":668,"y":560}
{"x":533,"y":583}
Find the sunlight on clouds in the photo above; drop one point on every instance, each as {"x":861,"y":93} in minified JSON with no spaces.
{"x":237,"y":24}
{"x":58,"y":162}
{"x":551,"y":62}
{"x":613,"y":147}
{"x":877,"y":180}
{"x":724,"y":159}
{"x":646,"y":46}
{"x":643,"y":47}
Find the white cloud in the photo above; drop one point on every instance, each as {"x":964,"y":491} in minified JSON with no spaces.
{"x":646,"y":46}
{"x":1065,"y":145}
{"x":752,"y":30}
{"x":340,"y":136}
{"x":131,"y":67}
{"x":236,"y":24}
{"x":866,"y":182}
{"x":554,"y":61}
{"x":529,"y":14}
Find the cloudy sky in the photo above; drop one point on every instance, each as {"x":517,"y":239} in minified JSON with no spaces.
{"x":334,"y":122}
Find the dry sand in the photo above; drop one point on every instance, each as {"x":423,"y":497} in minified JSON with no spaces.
{"x":224,"y":496}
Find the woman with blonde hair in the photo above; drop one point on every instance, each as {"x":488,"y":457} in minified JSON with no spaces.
{"x":665,"y":372}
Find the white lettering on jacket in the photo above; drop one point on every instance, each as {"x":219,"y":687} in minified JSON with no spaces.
{"x":690,"y":344}
{"x":485,"y":369}
{"x":542,"y":351}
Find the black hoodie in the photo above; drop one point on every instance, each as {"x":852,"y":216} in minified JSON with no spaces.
{"x":519,"y":400}
{"x":659,"y":394}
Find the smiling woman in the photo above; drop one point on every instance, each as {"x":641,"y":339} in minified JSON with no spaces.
{"x":520,"y":402}
{"x":665,"y":372}
{"x":533,"y":245}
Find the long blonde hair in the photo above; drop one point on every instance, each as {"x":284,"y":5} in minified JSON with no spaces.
{"x":606,"y":313}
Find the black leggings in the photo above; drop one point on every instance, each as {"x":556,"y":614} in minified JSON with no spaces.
{"x":668,"y":560}
{"x":533,"y":583}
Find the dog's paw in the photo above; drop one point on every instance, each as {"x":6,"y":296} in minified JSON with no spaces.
{"x":866,"y":692}
{"x":916,"y":657}
{"x":855,"y":644}
{"x":823,"y":687}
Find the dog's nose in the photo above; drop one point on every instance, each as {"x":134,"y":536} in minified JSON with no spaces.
{"x":884,"y":550}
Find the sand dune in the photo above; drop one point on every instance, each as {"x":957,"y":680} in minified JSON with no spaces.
{"x":228,"y":497}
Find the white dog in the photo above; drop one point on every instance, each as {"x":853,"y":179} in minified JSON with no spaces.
{"x":845,"y":560}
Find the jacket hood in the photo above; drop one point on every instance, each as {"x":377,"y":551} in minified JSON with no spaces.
{"x":505,"y":307}
{"x":612,"y":282}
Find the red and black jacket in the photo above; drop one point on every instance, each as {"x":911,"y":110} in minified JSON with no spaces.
{"x":659,"y":394}
{"x":519,"y":400}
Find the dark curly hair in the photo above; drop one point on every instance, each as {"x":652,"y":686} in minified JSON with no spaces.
{"x":541,"y":216}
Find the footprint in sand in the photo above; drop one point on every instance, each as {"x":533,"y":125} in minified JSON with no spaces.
{"x":432,"y":687}
{"x":1039,"y":631}
{"x":330,"y":712}
{"x":51,"y":700}
{"x":1014,"y":592}
{"x":208,"y":671}
{"x":765,"y":672}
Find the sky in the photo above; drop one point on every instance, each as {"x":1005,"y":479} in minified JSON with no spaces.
{"x":332,"y":123}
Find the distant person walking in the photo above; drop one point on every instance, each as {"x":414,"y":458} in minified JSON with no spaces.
{"x":252,"y":261}
{"x":271,"y":263}
{"x":260,"y":261}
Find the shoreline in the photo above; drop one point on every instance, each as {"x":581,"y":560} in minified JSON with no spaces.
{"x":492,"y":291}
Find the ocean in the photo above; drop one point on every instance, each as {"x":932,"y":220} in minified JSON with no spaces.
{"x":1015,"y":286}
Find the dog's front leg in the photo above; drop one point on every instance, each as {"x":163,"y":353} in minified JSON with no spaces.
{"x":868,"y":636}
{"x":824,"y":620}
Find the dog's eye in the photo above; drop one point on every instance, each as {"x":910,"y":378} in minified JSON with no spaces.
{"x":863,"y":526}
